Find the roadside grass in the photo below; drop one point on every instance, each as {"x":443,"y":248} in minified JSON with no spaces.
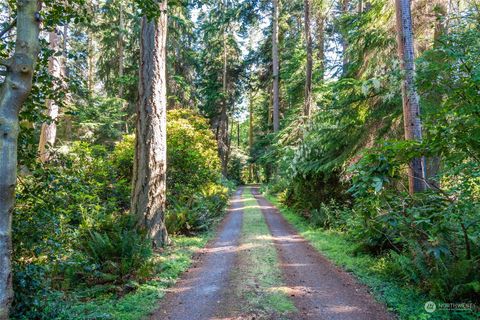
{"x":258,"y":277}
{"x":137,"y":305}
{"x":405,"y":301}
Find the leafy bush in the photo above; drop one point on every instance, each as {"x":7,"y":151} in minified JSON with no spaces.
{"x":116,"y":249}
{"x":198,"y":213}
{"x":238,"y":166}
{"x":33,"y":296}
{"x":435,"y":230}
{"x":81,"y":192}
{"x":196,"y":193}
{"x":192,"y":156}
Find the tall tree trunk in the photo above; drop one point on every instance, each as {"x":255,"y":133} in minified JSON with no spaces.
{"x":321,"y":41}
{"x":308,"y":80}
{"x":222,"y":137}
{"x":360,"y":6}
{"x":238,"y":134}
{"x":149,"y":174}
{"x":276,"y":94}
{"x":433,"y":163}
{"x":270,"y":106}
{"x":13,"y":93}
{"x":91,"y":61}
{"x":411,"y":105}
{"x":250,"y":135}
{"x":48,"y":132}
{"x":121,"y":52}
{"x":345,"y":11}
{"x":66,"y":119}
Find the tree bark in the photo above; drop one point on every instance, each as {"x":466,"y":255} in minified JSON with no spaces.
{"x":433,"y":164}
{"x":321,"y":42}
{"x":91,"y":61}
{"x":360,"y":6}
{"x":275,"y":60}
{"x":149,"y":176}
{"x":238,"y":134}
{"x":308,"y":43}
{"x":345,"y":10}
{"x":411,"y":105}
{"x":48,"y":132}
{"x":121,"y":53}
{"x":222,"y":137}
{"x":13,"y":93}
{"x":250,"y":134}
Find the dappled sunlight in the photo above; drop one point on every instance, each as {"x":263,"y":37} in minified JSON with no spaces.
{"x":246,"y":208}
{"x":342,"y":309}
{"x":290,"y":239}
{"x":264,"y":237}
{"x":294,"y":290}
{"x":295,"y":265}
{"x":236,"y":201}
{"x":178,"y":289}
{"x":230,"y":248}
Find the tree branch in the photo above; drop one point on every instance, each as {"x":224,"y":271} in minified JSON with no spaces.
{"x":8,"y":28}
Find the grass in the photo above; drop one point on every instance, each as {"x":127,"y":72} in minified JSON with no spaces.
{"x":259,"y":277}
{"x":137,"y":305}
{"x":407,"y":302}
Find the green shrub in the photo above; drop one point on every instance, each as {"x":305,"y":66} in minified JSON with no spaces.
{"x":33,"y":296}
{"x":196,"y":193}
{"x":434,"y":230}
{"x":116,"y":249}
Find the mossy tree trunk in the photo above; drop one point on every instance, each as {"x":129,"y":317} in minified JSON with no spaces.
{"x":13,"y":93}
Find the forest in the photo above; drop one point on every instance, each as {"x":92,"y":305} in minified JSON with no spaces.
{"x":240,"y":159}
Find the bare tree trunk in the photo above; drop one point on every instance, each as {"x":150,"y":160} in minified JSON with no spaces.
{"x":91,"y":61}
{"x":13,"y":93}
{"x":433,"y":164}
{"x":345,"y":10}
{"x":250,"y":135}
{"x":121,"y":52}
{"x":411,"y":105}
{"x":64,"y":64}
{"x":48,"y":132}
{"x":222,"y":137}
{"x":238,"y":134}
{"x":276,"y":95}
{"x":308,"y":81}
{"x":321,"y":41}
{"x":270,"y":105}
{"x":67,"y":119}
{"x":149,"y":174}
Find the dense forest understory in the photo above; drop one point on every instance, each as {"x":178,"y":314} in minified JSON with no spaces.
{"x":239,"y":159}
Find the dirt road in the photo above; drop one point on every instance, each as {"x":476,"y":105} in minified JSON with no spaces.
{"x":226,"y":279}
